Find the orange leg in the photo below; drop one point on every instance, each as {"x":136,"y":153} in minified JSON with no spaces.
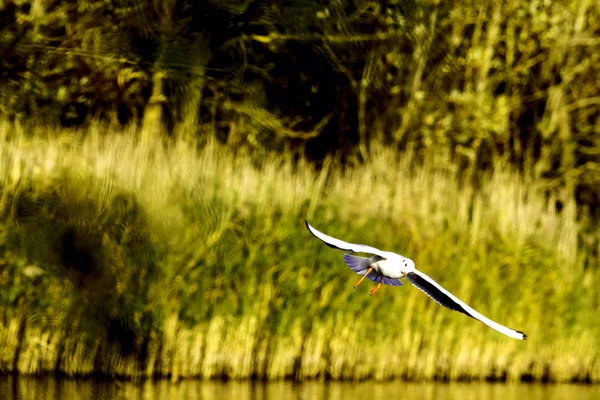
{"x":376,"y":288}
{"x":364,"y":276}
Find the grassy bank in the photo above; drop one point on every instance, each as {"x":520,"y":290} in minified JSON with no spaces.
{"x":155,"y":258}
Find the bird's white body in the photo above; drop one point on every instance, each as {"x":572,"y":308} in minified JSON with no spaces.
{"x":393,"y":265}
{"x":386,"y":267}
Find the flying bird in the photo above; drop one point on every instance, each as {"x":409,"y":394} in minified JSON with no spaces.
{"x":385,"y":267}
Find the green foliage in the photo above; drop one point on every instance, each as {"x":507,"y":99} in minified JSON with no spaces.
{"x":201,"y":265}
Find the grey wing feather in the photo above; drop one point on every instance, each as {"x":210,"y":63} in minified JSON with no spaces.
{"x":377,"y":277}
{"x":341,"y":245}
{"x":391,"y":281}
{"x":360,"y":265}
{"x":356,"y":263}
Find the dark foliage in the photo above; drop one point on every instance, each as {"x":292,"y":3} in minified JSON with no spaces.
{"x":503,"y":81}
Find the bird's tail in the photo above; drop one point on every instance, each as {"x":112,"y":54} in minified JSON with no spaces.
{"x":356,"y":264}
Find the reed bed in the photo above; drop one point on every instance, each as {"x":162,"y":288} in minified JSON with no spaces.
{"x":165,"y":258}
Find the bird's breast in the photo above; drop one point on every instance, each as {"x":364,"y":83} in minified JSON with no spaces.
{"x":388,"y":268}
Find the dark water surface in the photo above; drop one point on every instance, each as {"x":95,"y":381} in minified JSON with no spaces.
{"x":12,"y":388}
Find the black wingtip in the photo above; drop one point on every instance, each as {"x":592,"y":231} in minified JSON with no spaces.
{"x":524,"y":335}
{"x":307,"y":225}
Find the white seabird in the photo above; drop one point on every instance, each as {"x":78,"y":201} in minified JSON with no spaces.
{"x":387,"y":268}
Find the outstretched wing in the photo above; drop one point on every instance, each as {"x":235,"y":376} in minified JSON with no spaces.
{"x":448,"y":300}
{"x":341,"y":245}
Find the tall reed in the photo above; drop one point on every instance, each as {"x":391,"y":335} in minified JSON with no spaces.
{"x":164,"y":258}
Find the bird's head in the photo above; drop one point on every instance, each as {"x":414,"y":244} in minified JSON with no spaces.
{"x":408,"y":265}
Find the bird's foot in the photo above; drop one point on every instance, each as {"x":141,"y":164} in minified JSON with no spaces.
{"x":375,"y":289}
{"x":364,"y":276}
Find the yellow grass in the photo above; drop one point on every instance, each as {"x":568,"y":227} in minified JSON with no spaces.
{"x":201,"y":265}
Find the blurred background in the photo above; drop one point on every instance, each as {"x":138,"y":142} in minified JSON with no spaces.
{"x":158,"y":159}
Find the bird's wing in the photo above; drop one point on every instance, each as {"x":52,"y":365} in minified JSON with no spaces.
{"x":448,"y":300}
{"x":360,"y":265}
{"x":378,"y":277}
{"x":341,"y":245}
{"x":391,"y":281}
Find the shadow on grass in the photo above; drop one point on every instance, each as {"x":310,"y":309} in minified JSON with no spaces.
{"x":95,"y":266}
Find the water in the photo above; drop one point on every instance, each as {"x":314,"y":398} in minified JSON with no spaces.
{"x":12,"y":388}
